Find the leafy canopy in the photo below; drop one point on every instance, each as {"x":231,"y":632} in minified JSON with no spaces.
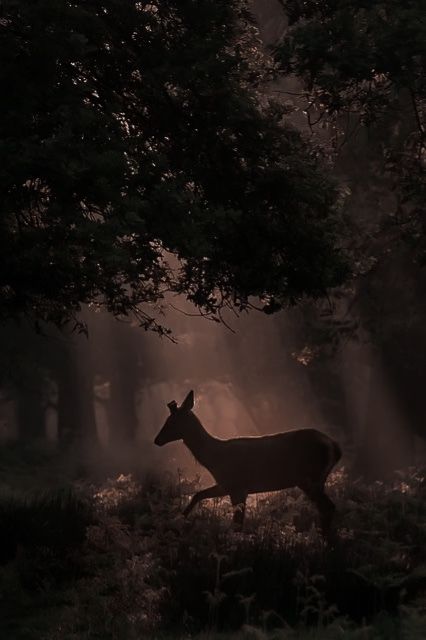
{"x":136,"y":158}
{"x":364,"y":63}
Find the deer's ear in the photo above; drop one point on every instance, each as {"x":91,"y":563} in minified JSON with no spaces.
{"x":188,"y":403}
{"x":172,"y":406}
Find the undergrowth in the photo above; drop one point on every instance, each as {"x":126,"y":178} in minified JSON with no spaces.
{"x":117,"y":561}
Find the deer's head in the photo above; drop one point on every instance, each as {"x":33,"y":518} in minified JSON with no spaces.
{"x":175,"y":426}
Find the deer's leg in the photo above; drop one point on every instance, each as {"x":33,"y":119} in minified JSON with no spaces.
{"x":238,"y":501}
{"x":326,"y":507}
{"x":211,"y":492}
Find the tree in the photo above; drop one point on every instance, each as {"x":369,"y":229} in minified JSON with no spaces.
{"x":363,"y":65}
{"x":48,"y":371}
{"x":136,"y":158}
{"x":361,"y":69}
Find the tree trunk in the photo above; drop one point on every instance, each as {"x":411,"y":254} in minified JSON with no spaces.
{"x":121,"y":409}
{"x":30,"y":412}
{"x":76,"y":410}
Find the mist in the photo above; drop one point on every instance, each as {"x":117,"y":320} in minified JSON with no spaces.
{"x":353,"y":370}
{"x":257,"y":375}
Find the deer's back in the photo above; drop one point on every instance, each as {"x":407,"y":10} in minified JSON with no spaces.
{"x":277,"y":461}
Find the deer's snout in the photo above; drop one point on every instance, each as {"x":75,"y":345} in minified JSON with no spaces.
{"x":163,"y":437}
{"x":159,"y":441}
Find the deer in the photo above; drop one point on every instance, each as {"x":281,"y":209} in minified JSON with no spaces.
{"x":241,"y":466}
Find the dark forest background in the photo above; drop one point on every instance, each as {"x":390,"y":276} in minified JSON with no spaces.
{"x":332,"y":156}
{"x":225,"y":196}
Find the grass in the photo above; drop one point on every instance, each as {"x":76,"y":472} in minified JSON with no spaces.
{"x":116,"y":560}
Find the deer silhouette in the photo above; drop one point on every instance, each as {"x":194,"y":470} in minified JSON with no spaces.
{"x":240,"y":466}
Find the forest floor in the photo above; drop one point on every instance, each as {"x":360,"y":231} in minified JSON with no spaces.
{"x":116,"y":560}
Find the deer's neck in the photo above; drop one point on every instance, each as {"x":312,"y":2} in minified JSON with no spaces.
{"x":202,"y":445}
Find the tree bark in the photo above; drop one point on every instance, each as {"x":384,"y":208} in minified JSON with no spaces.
{"x":30,"y":412}
{"x":121,"y":409}
{"x":76,"y":409}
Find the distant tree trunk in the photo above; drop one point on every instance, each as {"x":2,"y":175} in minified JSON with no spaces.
{"x":329,"y":390}
{"x":119,"y":358}
{"x":121,"y":408}
{"x":76,"y":409}
{"x":368,"y":461}
{"x":404,"y":358}
{"x":384,"y":444}
{"x":30,"y":412}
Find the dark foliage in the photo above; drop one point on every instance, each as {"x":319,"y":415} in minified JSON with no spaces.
{"x":54,"y":520}
{"x":129,"y":130}
{"x":140,"y":569}
{"x":363,"y":64}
